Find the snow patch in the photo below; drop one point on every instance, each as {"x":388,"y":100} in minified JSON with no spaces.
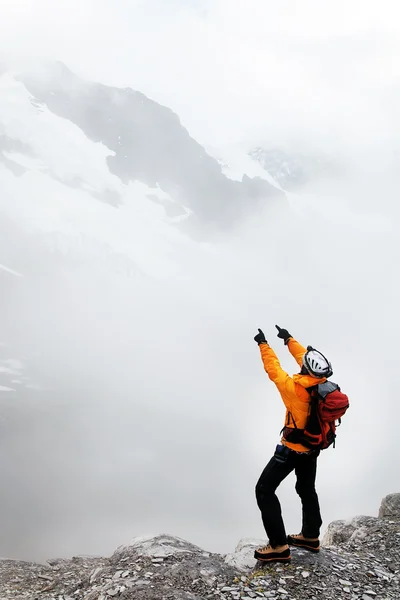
{"x":235,"y":163}
{"x":8,"y":270}
{"x":56,"y":143}
{"x":28,"y":162}
{"x":59,"y":193}
{"x":11,"y":365}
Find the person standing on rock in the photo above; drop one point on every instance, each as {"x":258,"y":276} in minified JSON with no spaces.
{"x":291,"y":456}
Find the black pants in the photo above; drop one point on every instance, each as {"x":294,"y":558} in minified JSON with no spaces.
{"x":305,"y":467}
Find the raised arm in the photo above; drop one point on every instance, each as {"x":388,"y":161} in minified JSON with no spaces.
{"x":295,"y":349}
{"x":274,"y":370}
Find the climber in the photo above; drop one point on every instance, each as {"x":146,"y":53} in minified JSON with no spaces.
{"x":291,"y":456}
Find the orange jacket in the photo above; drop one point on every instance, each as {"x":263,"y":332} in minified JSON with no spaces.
{"x":292,"y":389}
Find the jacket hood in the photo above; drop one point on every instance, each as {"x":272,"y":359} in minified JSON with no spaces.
{"x":307,"y":381}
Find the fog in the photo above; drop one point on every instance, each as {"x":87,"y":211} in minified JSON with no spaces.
{"x":153,"y":412}
{"x":321,"y":74}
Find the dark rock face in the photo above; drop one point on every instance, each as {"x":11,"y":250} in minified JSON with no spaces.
{"x":149,"y":144}
{"x":360,"y":560}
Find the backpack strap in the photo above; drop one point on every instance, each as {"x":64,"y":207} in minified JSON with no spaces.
{"x":313,"y":389}
{"x":290,"y":418}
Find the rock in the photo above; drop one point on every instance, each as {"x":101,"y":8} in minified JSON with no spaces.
{"x":341,"y":532}
{"x":159,"y":546}
{"x":243,"y":556}
{"x":361,"y":562}
{"x":390,"y":507}
{"x":95,"y":574}
{"x":117,"y":574}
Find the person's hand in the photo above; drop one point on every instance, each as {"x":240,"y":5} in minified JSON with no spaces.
{"x":260,"y":338}
{"x":283,"y":334}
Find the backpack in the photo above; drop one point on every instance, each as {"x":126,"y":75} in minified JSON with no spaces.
{"x":327,"y":405}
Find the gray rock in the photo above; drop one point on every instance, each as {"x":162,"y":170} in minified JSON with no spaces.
{"x":390,"y":507}
{"x":154,"y":547}
{"x":243,"y":556}
{"x":352,"y":566}
{"x":341,"y":532}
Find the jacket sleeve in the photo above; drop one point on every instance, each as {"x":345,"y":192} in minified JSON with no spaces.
{"x":297,"y":351}
{"x":282,"y":380}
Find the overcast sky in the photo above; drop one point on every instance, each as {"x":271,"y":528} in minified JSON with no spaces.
{"x":164,"y":417}
{"x":233,"y":70}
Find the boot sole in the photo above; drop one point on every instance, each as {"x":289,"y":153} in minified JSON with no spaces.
{"x":283,"y":557}
{"x":309,"y":548}
{"x":280,"y":560}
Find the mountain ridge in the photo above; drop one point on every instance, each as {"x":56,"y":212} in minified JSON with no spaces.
{"x":148,"y":144}
{"x":360,"y":560}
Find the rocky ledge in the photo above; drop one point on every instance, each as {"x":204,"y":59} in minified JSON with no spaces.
{"x":360,"y":560}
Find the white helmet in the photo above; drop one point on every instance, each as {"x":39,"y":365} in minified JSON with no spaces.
{"x":316,"y":363}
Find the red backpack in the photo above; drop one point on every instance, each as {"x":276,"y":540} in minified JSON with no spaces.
{"x":327,"y":405}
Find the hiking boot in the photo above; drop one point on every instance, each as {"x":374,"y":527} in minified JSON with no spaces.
{"x":311,"y":544}
{"x":269,"y":554}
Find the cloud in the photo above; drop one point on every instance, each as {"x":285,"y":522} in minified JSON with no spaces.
{"x":157,"y":414}
{"x":272,"y":71}
{"x":165,"y":381}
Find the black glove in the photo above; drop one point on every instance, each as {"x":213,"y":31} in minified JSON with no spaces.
{"x":260,"y":338}
{"x":283,"y":334}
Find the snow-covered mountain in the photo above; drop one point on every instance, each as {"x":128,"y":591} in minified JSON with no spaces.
{"x":107,"y":176}
{"x":110,"y":168}
{"x":50,"y":118}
